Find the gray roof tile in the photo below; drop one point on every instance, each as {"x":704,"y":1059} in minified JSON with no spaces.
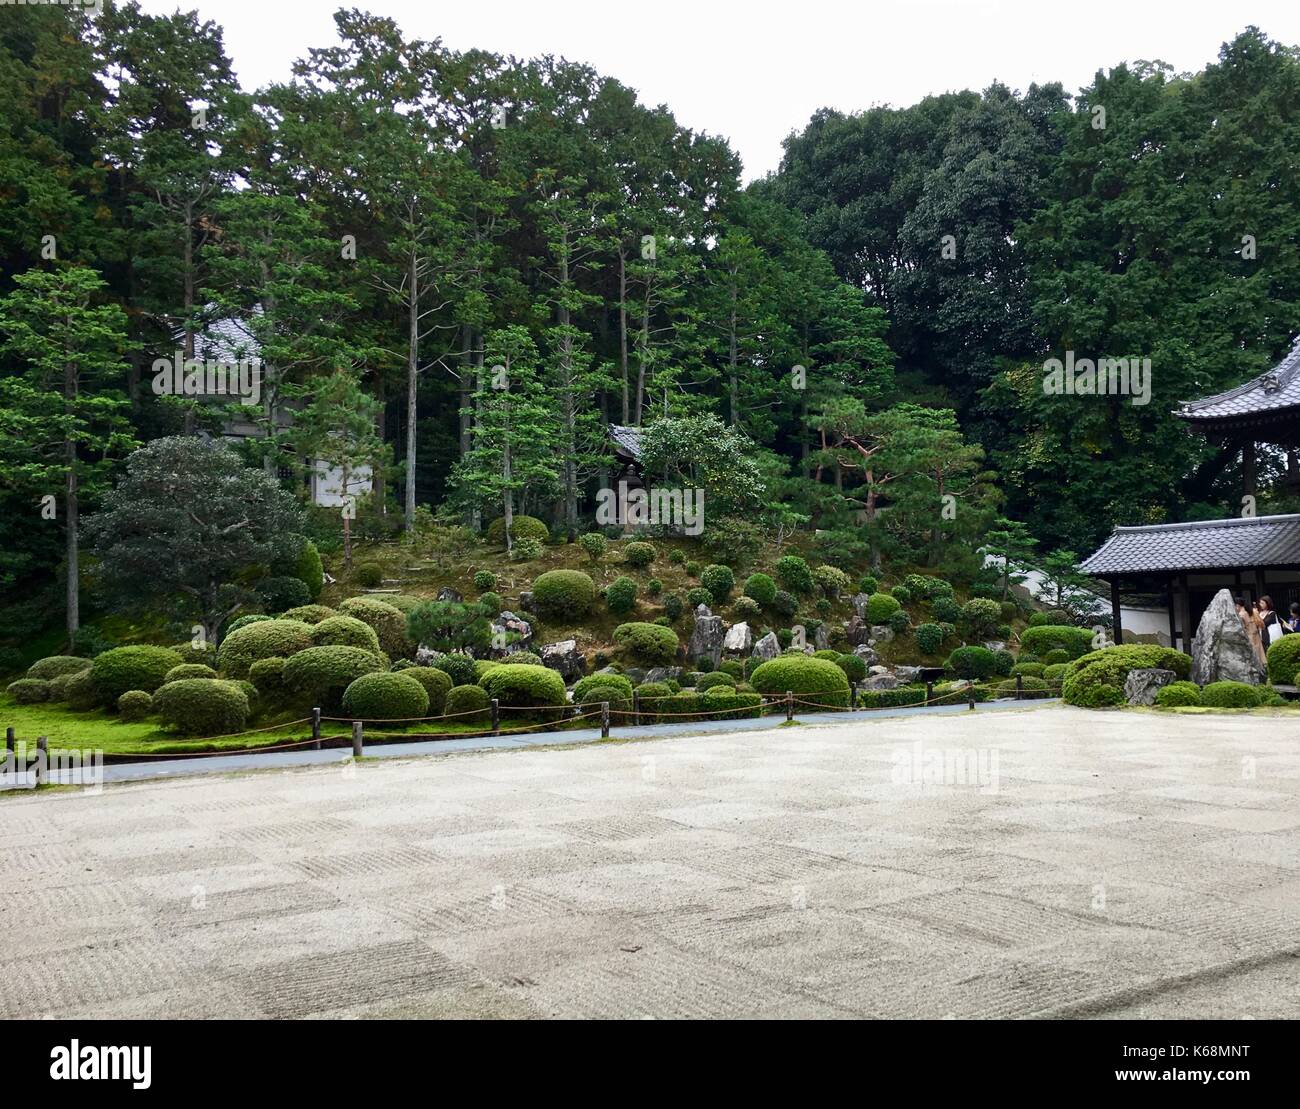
{"x":627,"y":438}
{"x":1200,"y":545}
{"x":1276,"y":389}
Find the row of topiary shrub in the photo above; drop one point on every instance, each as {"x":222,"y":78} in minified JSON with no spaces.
{"x":1223,"y":695}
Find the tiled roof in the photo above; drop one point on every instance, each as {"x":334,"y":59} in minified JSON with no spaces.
{"x":225,"y":340}
{"x":1201,"y":545}
{"x":1276,"y":389}
{"x":627,"y":438}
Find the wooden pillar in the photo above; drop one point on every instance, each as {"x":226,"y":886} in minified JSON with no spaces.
{"x":1117,"y":631}
{"x":1173,"y":617}
{"x":1260,"y":588}
{"x":1185,"y":613}
{"x":1248,"y":467}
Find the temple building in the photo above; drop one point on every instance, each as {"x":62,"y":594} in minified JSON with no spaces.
{"x":1249,"y":555}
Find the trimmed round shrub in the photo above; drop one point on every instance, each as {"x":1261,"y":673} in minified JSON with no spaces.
{"x":267,"y":676}
{"x":305,"y":565}
{"x":761,"y":588}
{"x":1052,"y":617}
{"x":604,"y":692}
{"x":880,"y":607}
{"x":746,"y":608}
{"x":30,"y":691}
{"x":280,"y":638}
{"x":785,"y":604}
{"x":1003,"y":662}
{"x":827,"y":654}
{"x":699,"y":596}
{"x":1075,"y":642}
{"x":1055,"y":656}
{"x":485,"y":581}
{"x":469,"y":704}
{"x":1283,"y":660}
{"x":1053,"y":673}
{"x":389,"y":624}
{"x":459,"y":668}
{"x":855,"y":668}
{"x":491,"y":601}
{"x":1097,"y":679}
{"x":324,"y":673}
{"x":901,"y":594}
{"x":715,"y":677}
{"x":77,"y":690}
{"x":1028,"y":669}
{"x":482,"y":666}
{"x":521,"y":527}
{"x":792,"y":572}
{"x":404,"y":604}
{"x":929,"y":638}
{"x":900,"y":622}
{"x":618,"y":682}
{"x":55,"y":666}
{"x":650,"y":695}
{"x":724,"y":703}
{"x":185,"y":671}
{"x":517,"y":658}
{"x":134,"y":705}
{"x":981,"y":617}
{"x":676,"y":556}
{"x":620,"y":597}
{"x":651,"y":644}
{"x":946,"y":610}
{"x":1230,"y":695}
{"x":244,"y":621}
{"x":369,"y":575}
{"x":867,"y":584}
{"x":525,"y":687}
{"x":693,"y":568}
{"x":810,"y":679}
{"x":345,"y":631}
{"x":832,"y":580}
{"x":673,"y":606}
{"x":972,"y":663}
{"x":136,"y":667}
{"x":564,"y":594}
{"x":734,"y":667}
{"x":1178,"y":694}
{"x":654,"y":587}
{"x":309,"y":614}
{"x":639,"y":554}
{"x":437,"y":684}
{"x":387,"y":696}
{"x":594,"y":544}
{"x":284,"y":592}
{"x":205,"y":653}
{"x":718,"y":580}
{"x":200,"y":706}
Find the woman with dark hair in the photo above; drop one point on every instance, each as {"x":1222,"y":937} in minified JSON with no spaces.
{"x":1293,"y":625}
{"x":1250,"y":620}
{"x":1271,"y":627}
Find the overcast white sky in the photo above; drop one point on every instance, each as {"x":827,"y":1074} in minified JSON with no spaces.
{"x":754,"y":70}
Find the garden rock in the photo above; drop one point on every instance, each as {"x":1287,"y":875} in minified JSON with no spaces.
{"x":1221,"y":652}
{"x":867,"y":654}
{"x":564,"y":657}
{"x":1141,"y":686}
{"x":994,"y":645}
{"x":526,"y":601}
{"x":739,"y":639}
{"x":767,"y":648}
{"x":663,"y":674}
{"x":908,"y":674}
{"x":706,"y":639}
{"x":877,"y":682}
{"x":821,"y":637}
{"x":882,"y":633}
{"x":510,"y":626}
{"x":858,"y":631}
{"x":860,"y":605}
{"x":449,"y":594}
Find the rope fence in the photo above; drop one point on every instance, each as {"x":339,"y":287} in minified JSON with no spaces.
{"x":642,"y":713}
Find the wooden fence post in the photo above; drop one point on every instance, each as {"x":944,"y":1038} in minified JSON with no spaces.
{"x":315,"y":729}
{"x":970,"y":697}
{"x":929,"y":692}
{"x":853,"y":695}
{"x":42,"y":760}
{"x":356,"y":739}
{"x":636,"y":708}
{"x":9,"y":739}
{"x":789,"y":705}
{"x":604,"y":720}
{"x":496,"y":716}
{"x":1020,"y":687}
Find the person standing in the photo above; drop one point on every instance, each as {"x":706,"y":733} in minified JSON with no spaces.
{"x":1250,"y":620}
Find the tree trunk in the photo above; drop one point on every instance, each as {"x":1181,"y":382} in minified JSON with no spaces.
{"x":732,"y":357}
{"x":508,"y":498}
{"x":72,"y":525}
{"x":622,"y":327}
{"x":412,"y":380}
{"x":347,"y":519}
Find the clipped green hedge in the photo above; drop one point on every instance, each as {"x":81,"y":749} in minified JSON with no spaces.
{"x":391,"y":695}
{"x":134,"y":705}
{"x":972,"y":663}
{"x":707,"y":681}
{"x":525,"y":686}
{"x":1178,"y":694}
{"x":472,"y":700}
{"x":652,"y":644}
{"x":30,"y":691}
{"x":1283,"y":661}
{"x":521,"y":527}
{"x":1029,"y":669}
{"x":1097,"y":679}
{"x":564,"y":594}
{"x":810,"y":679}
{"x":55,"y":666}
{"x":136,"y":667}
{"x":1044,"y":638}
{"x":304,"y":564}
{"x":719,"y":703}
{"x":761,"y":588}
{"x":189,"y":670}
{"x":639,"y":554}
{"x":437,"y":684}
{"x":593,"y":681}
{"x":880,"y":607}
{"x":267,"y":676}
{"x":459,"y":668}
{"x":201,"y":706}
{"x":269,"y":638}
{"x":388,"y":622}
{"x":345,"y":631}
{"x":620,"y":595}
{"x":309,"y":614}
{"x":1230,"y":695}
{"x":324,"y":673}
{"x":892,"y":698}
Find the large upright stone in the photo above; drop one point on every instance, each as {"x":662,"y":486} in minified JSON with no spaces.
{"x":858,"y":631}
{"x":739,"y":639}
{"x":564,"y":657}
{"x":1141,"y":686}
{"x":706,"y":639}
{"x":767,"y":648}
{"x":867,"y":654}
{"x":821,"y":637}
{"x":510,"y":633}
{"x":1221,"y":650}
{"x":860,"y":602}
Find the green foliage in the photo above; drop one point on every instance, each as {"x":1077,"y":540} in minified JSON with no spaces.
{"x":278,"y":594}
{"x":240,"y":649}
{"x":521,"y":527}
{"x":387,"y":696}
{"x":304,"y":564}
{"x":244,"y":621}
{"x":832,"y":580}
{"x":867,"y":584}
{"x":1053,"y":673}
{"x":654,"y":587}
{"x":972,"y":663}
{"x":693,"y":569}
{"x":639,"y":554}
{"x":467,"y":703}
{"x":699,"y":596}
{"x":308,"y":614}
{"x":526,"y":550}
{"x":345,"y":631}
{"x":189,"y":670}
{"x":485,"y":581}
{"x":134,"y":705}
{"x":1029,"y":669}
{"x":793,"y":572}
{"x":1051,"y":617}
{"x":390,"y":624}
{"x":1075,"y":642}
{"x":900,"y":697}
{"x":946,"y":610}
{"x":649,"y":644}
{"x":1004,"y":661}
{"x":620,"y":596}
{"x":717,"y":677}
{"x":368,"y":575}
{"x":810,"y":679}
{"x":29,"y":691}
{"x":524,"y":686}
{"x":929,"y":638}
{"x":1178,"y":694}
{"x":449,"y":626}
{"x":267,"y":674}
{"x":584,"y":687}
{"x":1230,"y":695}
{"x":981,"y":617}
{"x":746,"y":608}
{"x":459,"y":668}
{"x":902,"y":594}
{"x":719,"y":581}
{"x":136,"y":667}
{"x":673,"y":606}
{"x":855,"y":669}
{"x":1097,"y":679}
{"x":761,"y":588}
{"x":701,"y":452}
{"x":900,"y":622}
{"x":322,"y":674}
{"x":1055,"y":656}
{"x":564,"y":594}
{"x":202,"y":707}
{"x":1283,"y":660}
{"x":880,"y":607}
{"x":595,"y":544}
{"x":55,"y":665}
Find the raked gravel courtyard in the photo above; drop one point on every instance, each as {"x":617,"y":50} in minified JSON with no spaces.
{"x":1124,"y":865}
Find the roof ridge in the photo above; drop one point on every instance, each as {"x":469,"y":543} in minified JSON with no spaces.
{"x":1285,"y":370}
{"x":1231,"y":521}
